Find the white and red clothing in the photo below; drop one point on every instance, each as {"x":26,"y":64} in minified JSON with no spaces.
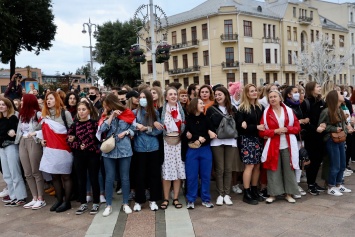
{"x":57,"y":157}
{"x":271,"y":150}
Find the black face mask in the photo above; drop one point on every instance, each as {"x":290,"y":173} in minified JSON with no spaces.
{"x":92,"y":97}
{"x":123,"y":102}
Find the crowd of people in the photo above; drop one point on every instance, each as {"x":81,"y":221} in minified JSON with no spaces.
{"x":259,"y":141}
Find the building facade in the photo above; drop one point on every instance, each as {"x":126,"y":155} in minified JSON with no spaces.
{"x":223,"y":41}
{"x":27,"y":72}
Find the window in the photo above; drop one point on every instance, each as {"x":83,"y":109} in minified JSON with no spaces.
{"x":207,"y":79}
{"x":183,"y":36}
{"x":287,"y":79}
{"x":230,"y":77}
{"x":204,"y":31}
{"x":275,"y":55}
{"x":186,"y":82}
{"x":184,"y":61}
{"x":300,"y":12}
{"x":294,"y":11}
{"x":228,"y":27}
{"x":296,"y":53}
{"x":275,"y":76}
{"x":253,"y":78}
{"x":333,"y":39}
{"x":34,"y":75}
{"x":351,"y":17}
{"x":311,"y":16}
{"x":294,"y":79}
{"x":274,"y":31}
{"x":341,"y":41}
{"x":195,"y":59}
{"x":345,"y":79}
{"x":167,"y":82}
{"x":294,"y":33}
{"x":288,"y":32}
{"x":245,"y":78}
{"x":205,"y":58}
{"x":249,"y":55}
{"x":150,"y":67}
{"x":267,"y":56}
{"x":267,"y":77}
{"x":175,"y":62}
{"x":312,"y":36}
{"x":265,"y":35}
{"x":317,"y":35}
{"x":173,"y":37}
{"x":269,"y":31}
{"x":166,"y":66}
{"x":197,"y":80}
{"x":340,"y":79}
{"x":230,"y":55}
{"x":193,"y":33}
{"x":247,"y":28}
{"x":353,"y":59}
{"x":289,"y":55}
{"x":352,"y":38}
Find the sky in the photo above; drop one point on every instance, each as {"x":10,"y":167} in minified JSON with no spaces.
{"x":67,"y":53}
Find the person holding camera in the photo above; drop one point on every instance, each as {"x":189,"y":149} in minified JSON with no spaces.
{"x":14,"y":89}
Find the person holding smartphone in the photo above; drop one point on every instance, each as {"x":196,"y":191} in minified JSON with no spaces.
{"x":14,"y":89}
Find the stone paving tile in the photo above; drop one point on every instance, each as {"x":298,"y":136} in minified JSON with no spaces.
{"x":140,"y":224}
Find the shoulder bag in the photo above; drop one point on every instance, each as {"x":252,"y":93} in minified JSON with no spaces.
{"x":109,"y":143}
{"x":226,"y":128}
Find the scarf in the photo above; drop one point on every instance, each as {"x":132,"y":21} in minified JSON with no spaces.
{"x":175,"y":118}
{"x":292,"y":102}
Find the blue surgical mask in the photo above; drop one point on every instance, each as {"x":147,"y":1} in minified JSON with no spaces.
{"x":296,"y":96}
{"x":143,"y":102}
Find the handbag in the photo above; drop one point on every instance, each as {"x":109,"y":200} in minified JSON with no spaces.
{"x":172,"y":138}
{"x":227,"y":127}
{"x":108,"y":144}
{"x":338,"y":137}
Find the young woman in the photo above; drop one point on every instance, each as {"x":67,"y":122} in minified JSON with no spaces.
{"x":157,"y":97}
{"x":71,"y":101}
{"x":147,"y":170}
{"x":173,"y":168}
{"x":223,"y":149}
{"x":183,"y":98}
{"x":250,"y":144}
{"x":57,"y":158}
{"x":9,"y":154}
{"x":30,"y":149}
{"x":198,"y":162}
{"x":280,"y":154}
{"x":332,"y":120}
{"x":263,"y":100}
{"x":121,"y":153}
{"x":206,"y":95}
{"x":132,"y":101}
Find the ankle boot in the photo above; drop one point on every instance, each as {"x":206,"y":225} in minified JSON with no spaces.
{"x":255,"y":194}
{"x":248,"y":197}
{"x":65,"y":206}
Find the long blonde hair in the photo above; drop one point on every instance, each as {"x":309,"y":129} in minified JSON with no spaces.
{"x":10,"y":107}
{"x":245,"y":104}
{"x":160,"y":100}
{"x":327,"y":87}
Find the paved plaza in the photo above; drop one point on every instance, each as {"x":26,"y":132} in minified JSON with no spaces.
{"x":323,"y":215}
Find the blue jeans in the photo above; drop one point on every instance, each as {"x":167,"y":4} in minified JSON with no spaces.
{"x":110,"y":169}
{"x":337,"y":158}
{"x":198,"y":163}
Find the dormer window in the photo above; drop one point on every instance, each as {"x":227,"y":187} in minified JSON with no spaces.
{"x":259,"y":9}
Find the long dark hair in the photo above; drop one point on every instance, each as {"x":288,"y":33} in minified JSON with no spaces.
{"x":310,"y":86}
{"x":287,"y":91}
{"x":333,"y":108}
{"x":112,"y":102}
{"x":227,"y":100}
{"x":94,"y":115}
{"x":66,"y":100}
{"x":150,"y":115}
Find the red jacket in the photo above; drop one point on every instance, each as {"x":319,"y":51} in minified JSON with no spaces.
{"x":272,"y":150}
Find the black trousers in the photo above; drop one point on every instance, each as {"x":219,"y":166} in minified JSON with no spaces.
{"x":148,"y":171}
{"x":84,"y":163}
{"x":316,"y":150}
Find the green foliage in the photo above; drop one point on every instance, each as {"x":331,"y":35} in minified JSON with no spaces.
{"x":84,"y":70}
{"x":114,"y":40}
{"x":25,"y":25}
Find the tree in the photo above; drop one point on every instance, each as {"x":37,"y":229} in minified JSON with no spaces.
{"x":84,"y":70}
{"x":323,"y":60}
{"x":114,"y":40}
{"x":25,"y":25}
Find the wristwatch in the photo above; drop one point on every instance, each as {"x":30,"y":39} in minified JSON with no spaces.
{"x":127,"y":133}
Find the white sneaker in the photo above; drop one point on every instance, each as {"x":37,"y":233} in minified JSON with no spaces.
{"x":127,"y":209}
{"x":4,"y":193}
{"x":236,"y":189}
{"x":346,"y":174}
{"x":153,"y":206}
{"x":119,"y":191}
{"x":102,"y":199}
{"x":334,"y":191}
{"x":219,"y":201}
{"x":30,"y":204}
{"x":296,"y":196}
{"x":137,"y":207}
{"x":39,"y":204}
{"x":303,"y":193}
{"x":88,"y":199}
{"x":107,"y":211}
{"x":349,"y":171}
{"x":344,"y":190}
{"x":227,"y":200}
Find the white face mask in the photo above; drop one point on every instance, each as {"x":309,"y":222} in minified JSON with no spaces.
{"x":296,"y":96}
{"x":345,"y":93}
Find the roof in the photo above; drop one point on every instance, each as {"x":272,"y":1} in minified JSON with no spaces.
{"x":328,"y":24}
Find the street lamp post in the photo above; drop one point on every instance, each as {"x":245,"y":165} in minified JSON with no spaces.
{"x":152,"y":35}
{"x":89,"y":26}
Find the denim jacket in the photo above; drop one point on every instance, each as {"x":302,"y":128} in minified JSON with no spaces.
{"x":145,"y":141}
{"x":123,"y":146}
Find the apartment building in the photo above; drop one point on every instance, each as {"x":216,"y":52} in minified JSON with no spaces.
{"x":27,"y":72}
{"x":222,"y":41}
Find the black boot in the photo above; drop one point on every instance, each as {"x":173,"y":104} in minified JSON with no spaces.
{"x":255,"y":194}
{"x":65,"y":206}
{"x":264,"y":193}
{"x":55,"y":206}
{"x":248,"y":197}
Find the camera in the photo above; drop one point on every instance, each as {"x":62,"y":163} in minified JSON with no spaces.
{"x":18,"y":75}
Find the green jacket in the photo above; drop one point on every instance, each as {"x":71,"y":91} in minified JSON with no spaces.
{"x":330,"y":128}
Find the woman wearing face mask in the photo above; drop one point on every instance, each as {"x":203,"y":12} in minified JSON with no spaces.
{"x":147,"y":168}
{"x":291,"y":98}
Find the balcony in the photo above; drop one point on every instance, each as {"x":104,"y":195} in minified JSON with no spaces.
{"x":290,"y":68}
{"x":305,"y":20}
{"x":193,"y":44}
{"x":229,"y":38}
{"x":185,"y":71}
{"x":351,"y":24}
{"x":271,"y":40}
{"x":271,"y":67}
{"x":230,"y":65}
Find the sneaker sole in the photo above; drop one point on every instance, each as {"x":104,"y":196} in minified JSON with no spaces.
{"x":93,"y":213}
